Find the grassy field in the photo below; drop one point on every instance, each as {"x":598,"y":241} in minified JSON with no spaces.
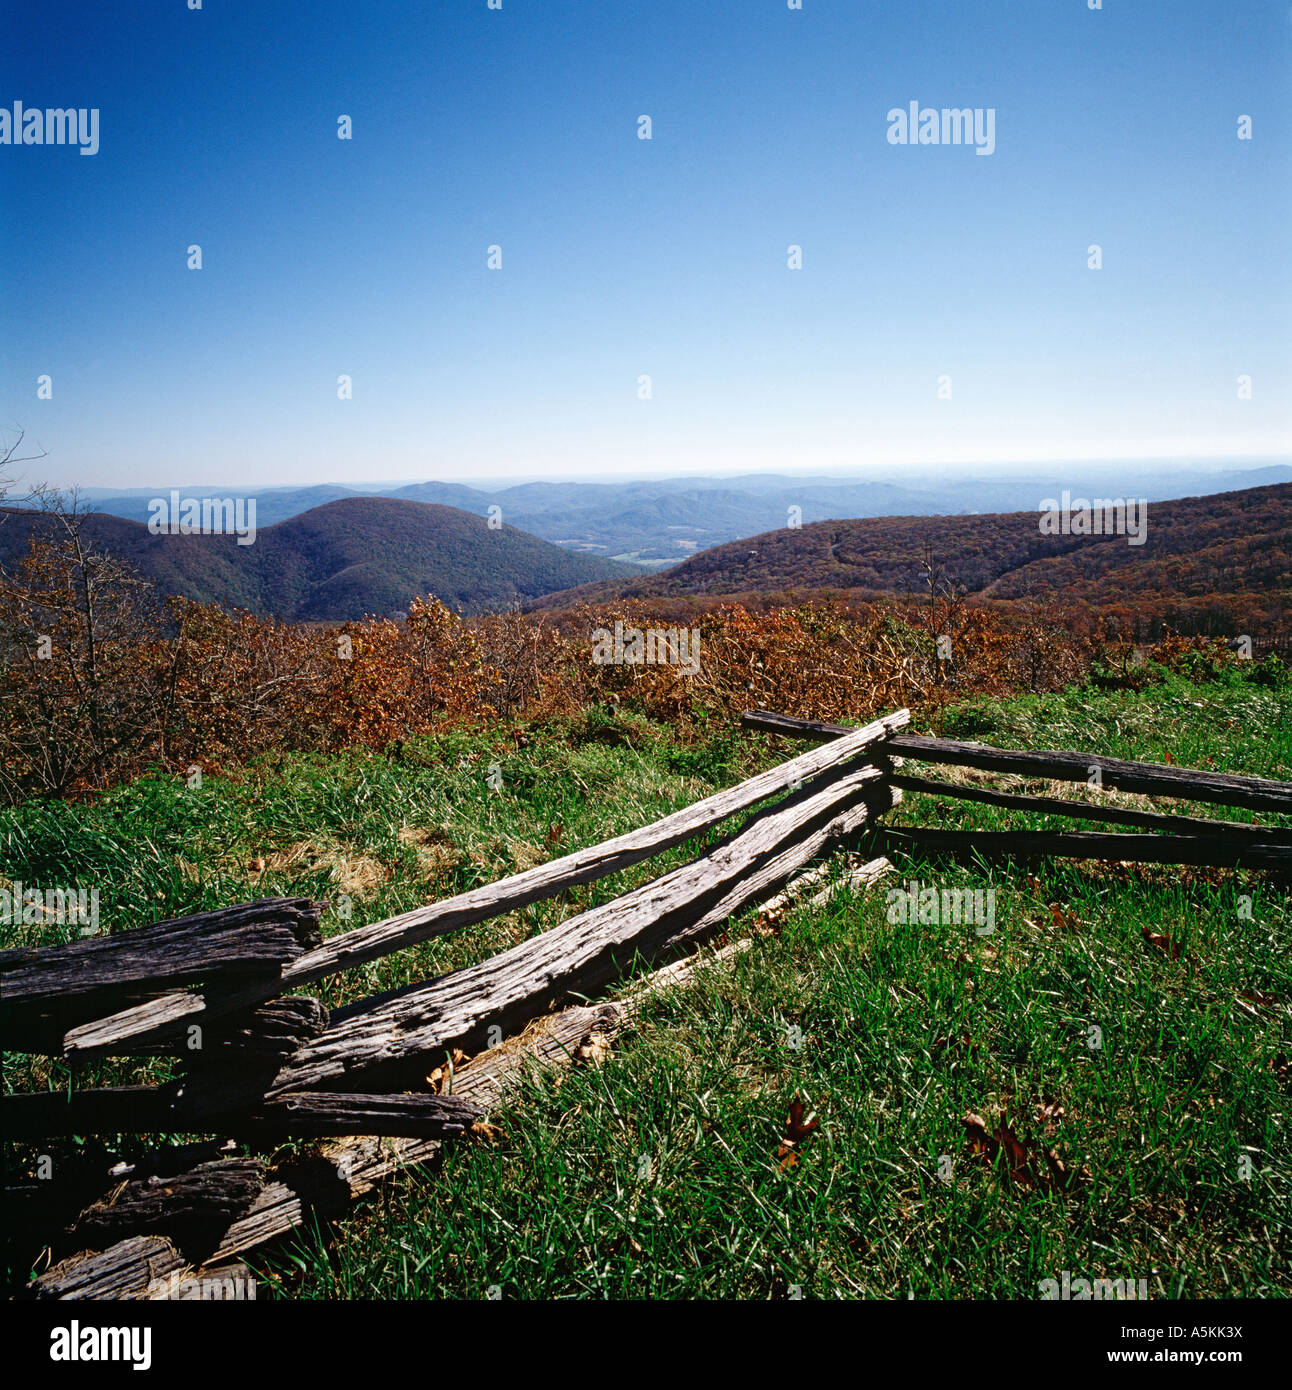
{"x":1153,"y":1074}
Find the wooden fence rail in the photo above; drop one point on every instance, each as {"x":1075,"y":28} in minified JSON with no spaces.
{"x":1110,"y":774}
{"x":163,"y":1020}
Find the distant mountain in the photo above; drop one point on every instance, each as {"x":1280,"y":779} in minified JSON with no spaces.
{"x":1234,"y":546}
{"x":350,"y":557}
{"x":272,"y":505}
{"x":467,"y":499}
{"x":660,"y":522}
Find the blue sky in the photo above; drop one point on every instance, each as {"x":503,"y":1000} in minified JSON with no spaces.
{"x":623,"y":257}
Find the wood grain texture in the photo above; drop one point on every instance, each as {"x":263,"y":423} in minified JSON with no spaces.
{"x":582,"y":953}
{"x":206,"y":1198}
{"x":45,"y":992}
{"x":250,"y":938}
{"x":125,"y":1270}
{"x":148,"y":1267}
{"x":159,"y":1021}
{"x":163,"y":1110}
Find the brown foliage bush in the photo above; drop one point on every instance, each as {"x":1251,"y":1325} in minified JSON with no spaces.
{"x":99,"y":680}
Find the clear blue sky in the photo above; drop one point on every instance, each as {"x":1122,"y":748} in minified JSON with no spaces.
{"x":624,"y":257}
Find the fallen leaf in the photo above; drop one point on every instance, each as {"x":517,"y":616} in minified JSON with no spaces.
{"x":484,"y":1130}
{"x":1019,"y":1160}
{"x":799,"y":1126}
{"x":802,"y":1121}
{"x":1062,"y":919}
{"x":555,"y":833}
{"x":1163,"y":943}
{"x":1049,"y":1113}
{"x":976,"y":1136}
{"x":438,"y":1079}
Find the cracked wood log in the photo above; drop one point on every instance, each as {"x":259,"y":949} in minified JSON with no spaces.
{"x":203,"y":1200}
{"x":1085,"y":810}
{"x":158,"y":1021}
{"x":129,"y":1269}
{"x":249,"y":938}
{"x":584,"y":951}
{"x":148,"y":1266}
{"x":328,"y":1114}
{"x":46,"y":990}
{"x":766,"y":878}
{"x":240,"y":1054}
{"x":163,"y":1110}
{"x":1080,"y":844}
{"x":179,"y":1211}
{"x":1116,"y":774}
{"x":152,"y":1267}
{"x":275,"y":1028}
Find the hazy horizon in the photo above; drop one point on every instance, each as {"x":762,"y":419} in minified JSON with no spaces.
{"x":32,"y":473}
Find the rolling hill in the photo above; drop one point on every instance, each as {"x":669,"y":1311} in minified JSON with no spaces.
{"x":662,"y":521}
{"x":1200,"y":554}
{"x":347,"y":558}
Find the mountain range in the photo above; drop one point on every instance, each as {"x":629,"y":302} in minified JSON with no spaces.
{"x":1206,"y":562}
{"x":660,"y":522}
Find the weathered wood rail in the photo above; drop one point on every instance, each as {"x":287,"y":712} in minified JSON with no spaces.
{"x":47,"y":991}
{"x":1110,"y":774}
{"x":161,"y":1020}
{"x":270,"y":1064}
{"x":1190,"y":840}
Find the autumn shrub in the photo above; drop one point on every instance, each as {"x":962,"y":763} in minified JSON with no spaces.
{"x":99,"y":679}
{"x":1122,"y":664}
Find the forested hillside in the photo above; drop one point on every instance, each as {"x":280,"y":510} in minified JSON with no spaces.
{"x":1207,"y":563}
{"x":340,"y":561}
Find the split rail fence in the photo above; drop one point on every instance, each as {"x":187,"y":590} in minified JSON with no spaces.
{"x":259,"y":1063}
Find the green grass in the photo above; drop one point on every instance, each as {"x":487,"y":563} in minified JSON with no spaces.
{"x":656,"y":1174}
